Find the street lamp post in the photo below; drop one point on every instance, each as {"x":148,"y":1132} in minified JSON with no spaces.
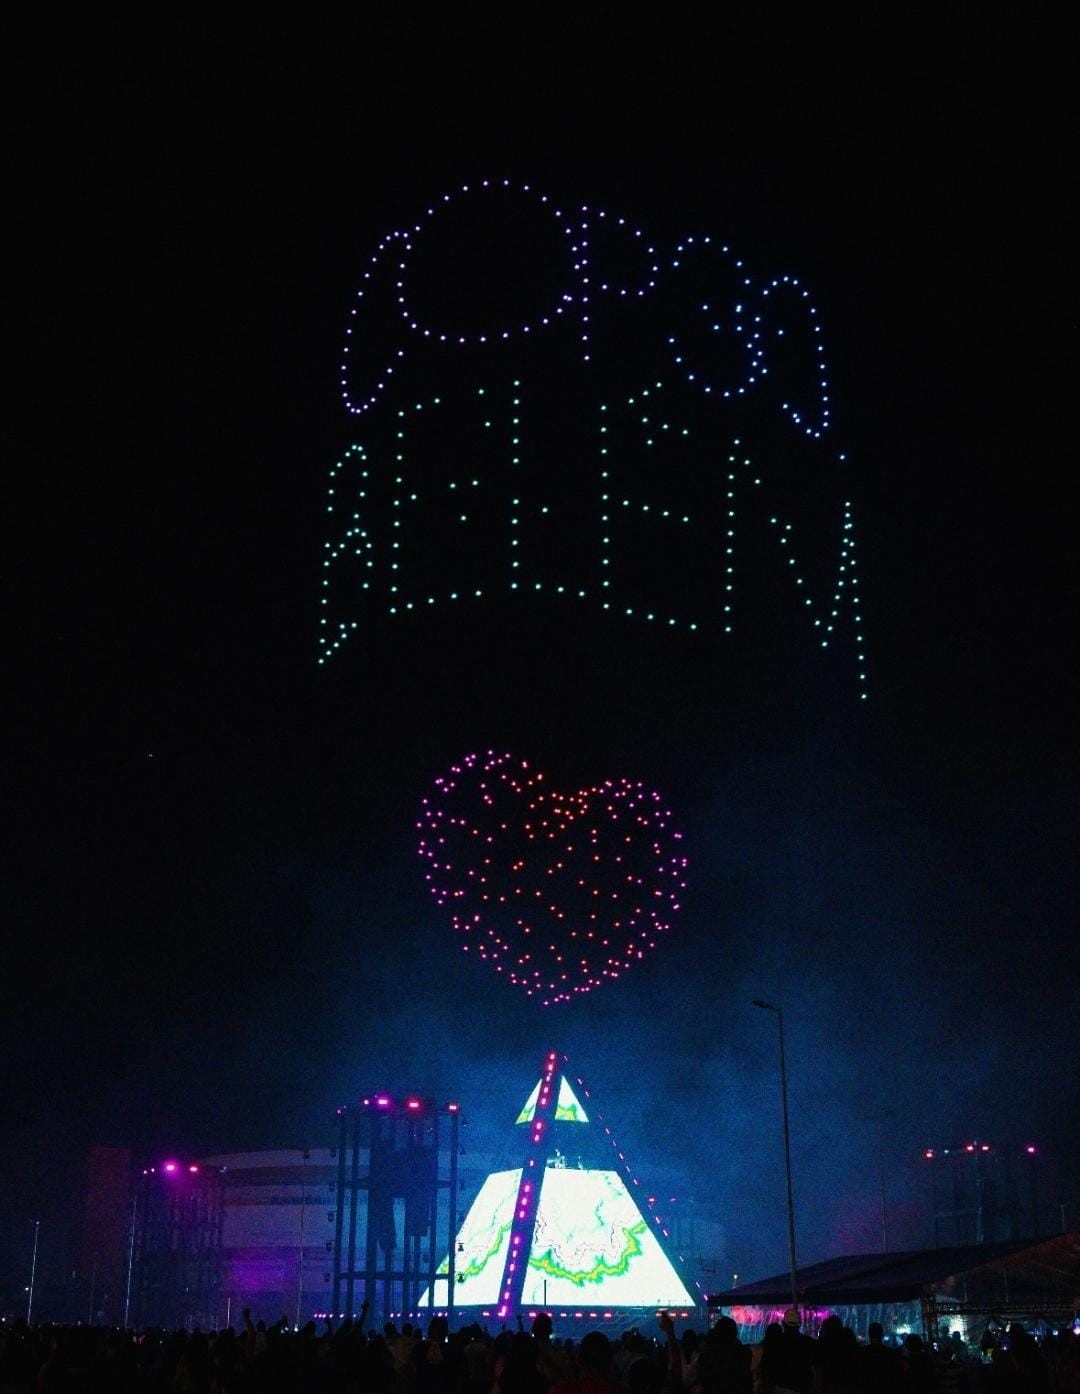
{"x":769,"y":1007}
{"x":131,"y":1256}
{"x":33,"y":1273}
{"x":93,"y":1287}
{"x":300,"y":1259}
{"x":879,"y":1123}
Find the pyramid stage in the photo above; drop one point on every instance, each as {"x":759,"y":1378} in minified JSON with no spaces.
{"x":562,"y":1232}
{"x":569,"y":1230}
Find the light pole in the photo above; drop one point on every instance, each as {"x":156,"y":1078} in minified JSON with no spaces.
{"x":93,"y":1285}
{"x":33,"y":1273}
{"x":879,"y":1123}
{"x":769,"y":1007}
{"x":131,"y":1256}
{"x":300,"y":1259}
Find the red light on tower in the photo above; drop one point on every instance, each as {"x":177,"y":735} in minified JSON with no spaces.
{"x":929,"y":1154}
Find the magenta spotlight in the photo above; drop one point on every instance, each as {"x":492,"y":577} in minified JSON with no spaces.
{"x":170,"y":1167}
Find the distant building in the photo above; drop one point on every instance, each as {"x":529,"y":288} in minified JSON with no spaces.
{"x":277,"y":1236}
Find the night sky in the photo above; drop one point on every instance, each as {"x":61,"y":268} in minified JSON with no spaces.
{"x":220,"y":928}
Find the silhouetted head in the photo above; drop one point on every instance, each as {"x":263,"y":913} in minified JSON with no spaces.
{"x":644,"y":1377}
{"x":726,"y":1332}
{"x":594,"y":1353}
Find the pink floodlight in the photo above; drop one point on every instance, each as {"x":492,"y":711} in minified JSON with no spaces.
{"x":169,"y":1167}
{"x":929,"y":1154}
{"x":451,"y":1108}
{"x":382,"y":1100}
{"x":1030,"y":1150}
{"x":412,"y":1103}
{"x":193,"y":1167}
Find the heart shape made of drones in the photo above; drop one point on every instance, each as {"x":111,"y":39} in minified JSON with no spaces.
{"x":559,"y":892}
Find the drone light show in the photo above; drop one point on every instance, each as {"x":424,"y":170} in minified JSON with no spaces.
{"x":606,"y":422}
{"x":558,"y":892}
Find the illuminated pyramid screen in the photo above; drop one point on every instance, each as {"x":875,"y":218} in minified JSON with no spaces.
{"x":548,"y":1234}
{"x":568,"y":1107}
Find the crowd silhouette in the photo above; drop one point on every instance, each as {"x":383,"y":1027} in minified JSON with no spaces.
{"x":348,"y":1358}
